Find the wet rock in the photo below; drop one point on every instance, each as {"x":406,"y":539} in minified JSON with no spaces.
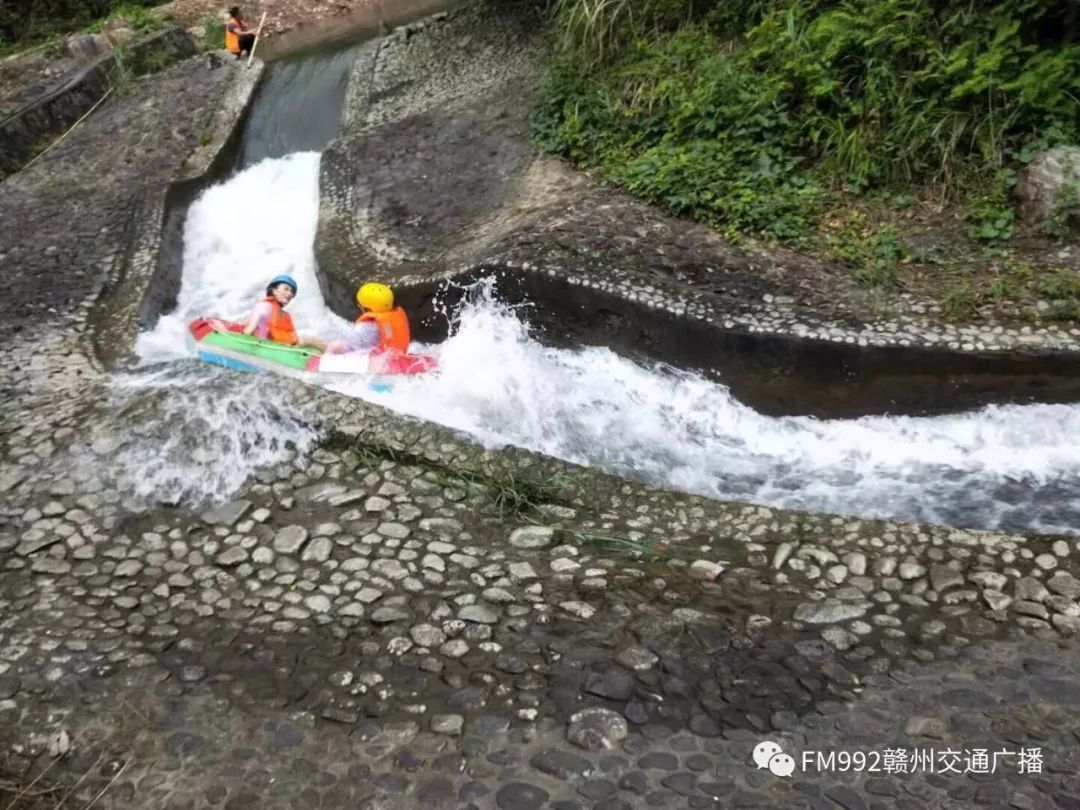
{"x":395,"y":531}
{"x":479,"y":614}
{"x":521,"y":572}
{"x":595,"y":790}
{"x":1046,"y":562}
{"x":943,"y":577}
{"x":377,"y":504}
{"x":231,"y":556}
{"x":836,"y":574}
{"x":582,"y":610}
{"x":856,"y":563}
{"x":227,"y":514}
{"x":386,"y":615}
{"x":427,"y":635}
{"x":996,"y":600}
{"x":911,"y":570}
{"x":682,"y":783}
{"x":562,"y":565}
{"x":829,"y":611}
{"x":703,"y":725}
{"x":128,"y":568}
{"x":596,"y":729}
{"x":637,"y":658}
{"x":529,"y":537}
{"x":561,"y":764}
{"x":706,"y":569}
{"x":391,"y":569}
{"x":401,"y":732}
{"x":433,"y":562}
{"x":318,"y":603}
{"x":991,"y":580}
{"x":781,"y":555}
{"x":840,"y":638}
{"x":34,"y":541}
{"x":635,"y":782}
{"x":50,"y":565}
{"x":1066,"y":625}
{"x":520,"y":796}
{"x":658,"y":761}
{"x":1030,"y":589}
{"x":613,"y":684}
{"x":193,"y":673}
{"x":455,"y":648}
{"x":318,"y":550}
{"x":290,"y":539}
{"x":367,"y":596}
{"x":1064,"y":584}
{"x":1026,"y":608}
{"x":449,"y":724}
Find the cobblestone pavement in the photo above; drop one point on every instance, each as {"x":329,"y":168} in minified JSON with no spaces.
{"x":381,"y":624}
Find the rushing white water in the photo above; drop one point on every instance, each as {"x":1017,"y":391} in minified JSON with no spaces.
{"x":1010,"y":467}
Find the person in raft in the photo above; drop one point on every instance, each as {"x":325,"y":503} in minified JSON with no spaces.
{"x":381,"y":326}
{"x":270,"y":321}
{"x":239,"y":39}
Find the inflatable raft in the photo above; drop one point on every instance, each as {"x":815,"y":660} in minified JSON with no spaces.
{"x":224,"y":344}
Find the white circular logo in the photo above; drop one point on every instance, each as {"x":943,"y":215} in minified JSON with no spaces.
{"x":764,"y":751}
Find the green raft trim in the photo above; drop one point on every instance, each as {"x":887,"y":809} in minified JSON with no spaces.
{"x":292,"y":356}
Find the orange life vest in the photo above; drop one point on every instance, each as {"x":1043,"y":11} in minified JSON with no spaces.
{"x":281,"y":325}
{"x":393,"y":328}
{"x":232,"y":39}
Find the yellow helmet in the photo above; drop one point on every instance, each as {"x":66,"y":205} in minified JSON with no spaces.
{"x":375,"y":297}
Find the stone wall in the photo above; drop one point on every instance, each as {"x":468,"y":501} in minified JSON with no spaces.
{"x":25,"y":131}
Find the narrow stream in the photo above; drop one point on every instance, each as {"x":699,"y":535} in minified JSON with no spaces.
{"x":999,"y":467}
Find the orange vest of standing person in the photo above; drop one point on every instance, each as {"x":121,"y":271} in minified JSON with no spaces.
{"x":281,"y":325}
{"x":393,"y":328}
{"x":232,"y":39}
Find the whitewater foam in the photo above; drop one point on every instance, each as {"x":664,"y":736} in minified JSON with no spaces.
{"x":1002,"y":466}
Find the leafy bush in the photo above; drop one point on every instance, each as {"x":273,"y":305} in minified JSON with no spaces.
{"x":816,"y":98}
{"x":213,"y":33}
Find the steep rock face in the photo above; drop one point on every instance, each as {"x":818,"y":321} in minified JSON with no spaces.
{"x":436,"y":151}
{"x":92,"y":208}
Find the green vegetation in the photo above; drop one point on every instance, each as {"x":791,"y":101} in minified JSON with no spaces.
{"x":771,"y":119}
{"x":1052,"y":294}
{"x":40,"y":23}
{"x":213,"y":33}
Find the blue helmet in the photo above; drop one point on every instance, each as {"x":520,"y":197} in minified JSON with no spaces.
{"x":281,"y":280}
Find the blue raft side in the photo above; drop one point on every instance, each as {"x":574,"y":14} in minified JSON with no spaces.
{"x":228,"y":362}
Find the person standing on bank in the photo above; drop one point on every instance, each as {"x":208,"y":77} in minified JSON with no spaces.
{"x":239,"y":39}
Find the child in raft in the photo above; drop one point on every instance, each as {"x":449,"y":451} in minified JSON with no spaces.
{"x":270,"y":321}
{"x":381,"y":326}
